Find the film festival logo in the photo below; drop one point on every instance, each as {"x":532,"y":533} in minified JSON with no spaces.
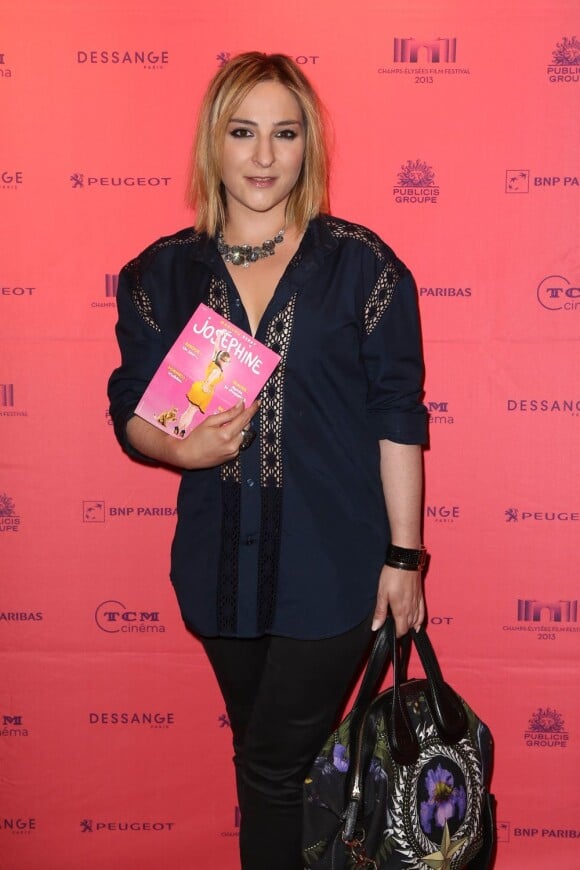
{"x":12,"y":726}
{"x":545,"y":618}
{"x":557,"y":293}
{"x":113,"y":617}
{"x":7,"y":395}
{"x":111,"y":284}
{"x":565,"y":66}
{"x":411,"y":50}
{"x":416,"y":183}
{"x":424,"y":59}
{"x":546,"y":729}
{"x":9,"y":519}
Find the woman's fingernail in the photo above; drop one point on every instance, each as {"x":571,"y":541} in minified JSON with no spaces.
{"x":376,"y":624}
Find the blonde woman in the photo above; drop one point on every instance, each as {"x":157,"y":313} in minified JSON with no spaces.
{"x":312,"y":533}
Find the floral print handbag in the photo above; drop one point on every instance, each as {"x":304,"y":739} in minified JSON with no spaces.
{"x":403,"y":782}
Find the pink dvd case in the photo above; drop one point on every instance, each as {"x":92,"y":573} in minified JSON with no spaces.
{"x":212,"y":365}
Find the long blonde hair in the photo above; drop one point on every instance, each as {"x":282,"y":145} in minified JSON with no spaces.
{"x":226,"y":91}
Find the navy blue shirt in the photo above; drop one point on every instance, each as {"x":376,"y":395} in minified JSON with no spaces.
{"x":289,"y":538}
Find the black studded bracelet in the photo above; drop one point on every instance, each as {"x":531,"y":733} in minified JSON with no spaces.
{"x":405,"y":559}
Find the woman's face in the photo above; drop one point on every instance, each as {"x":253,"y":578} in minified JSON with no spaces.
{"x":263,"y":151}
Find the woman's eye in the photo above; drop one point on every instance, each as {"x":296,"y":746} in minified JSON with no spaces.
{"x":286,"y":134}
{"x":240,"y":132}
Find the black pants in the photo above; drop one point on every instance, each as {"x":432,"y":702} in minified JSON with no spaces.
{"x":283,"y":697}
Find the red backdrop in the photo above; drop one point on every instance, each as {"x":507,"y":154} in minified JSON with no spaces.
{"x":456,"y":131}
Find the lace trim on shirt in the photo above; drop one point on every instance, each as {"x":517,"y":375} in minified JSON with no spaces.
{"x":135,"y":268}
{"x":278,"y":337}
{"x":218,"y":299}
{"x":380,"y":297}
{"x":231,"y":477}
{"x":382,"y":292}
{"x":341,"y":230}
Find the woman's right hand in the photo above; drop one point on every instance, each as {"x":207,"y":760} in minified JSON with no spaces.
{"x":216,"y":440}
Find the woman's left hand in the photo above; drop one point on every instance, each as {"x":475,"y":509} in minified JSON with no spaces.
{"x":400,"y":594}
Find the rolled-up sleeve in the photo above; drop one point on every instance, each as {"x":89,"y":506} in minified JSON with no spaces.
{"x":393,"y":359}
{"x":142,"y":351}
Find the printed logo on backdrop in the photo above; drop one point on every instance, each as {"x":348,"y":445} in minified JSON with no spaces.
{"x":5,"y":69}
{"x":557,"y":293}
{"x":502,"y":831}
{"x":97,"y":511}
{"x":565,"y":66}
{"x":11,"y":179}
{"x":21,"y":615}
{"x":546,"y":729}
{"x":543,"y":833}
{"x":12,"y":726}
{"x":149,"y":59}
{"x":19,"y":291}
{"x":82,"y":181}
{"x":110,"y":293}
{"x":93,"y":512}
{"x":515,"y":515}
{"x":416,"y":183}
{"x":9,"y":517}
{"x":445,"y":292}
{"x":439,"y":413}
{"x":547,"y":619}
{"x":442,"y":513}
{"x":148,"y":718}
{"x":234,"y":831}
{"x":17,"y":825}
{"x":518,"y":181}
{"x":423,"y":61}
{"x":542,"y":406}
{"x":113,"y":617}
{"x":90,"y":826}
{"x":301,"y":59}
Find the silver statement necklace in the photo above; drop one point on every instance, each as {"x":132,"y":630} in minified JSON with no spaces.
{"x":244,"y":255}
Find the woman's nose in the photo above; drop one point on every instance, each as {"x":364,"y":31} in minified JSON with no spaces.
{"x":264,"y":152}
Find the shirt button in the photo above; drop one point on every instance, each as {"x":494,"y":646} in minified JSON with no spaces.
{"x":249,"y":541}
{"x":249,"y":481}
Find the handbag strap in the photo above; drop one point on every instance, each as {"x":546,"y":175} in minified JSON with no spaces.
{"x":446,"y":708}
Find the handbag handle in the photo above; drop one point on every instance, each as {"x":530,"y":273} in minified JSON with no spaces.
{"x":448,"y":713}
{"x":445,"y":706}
